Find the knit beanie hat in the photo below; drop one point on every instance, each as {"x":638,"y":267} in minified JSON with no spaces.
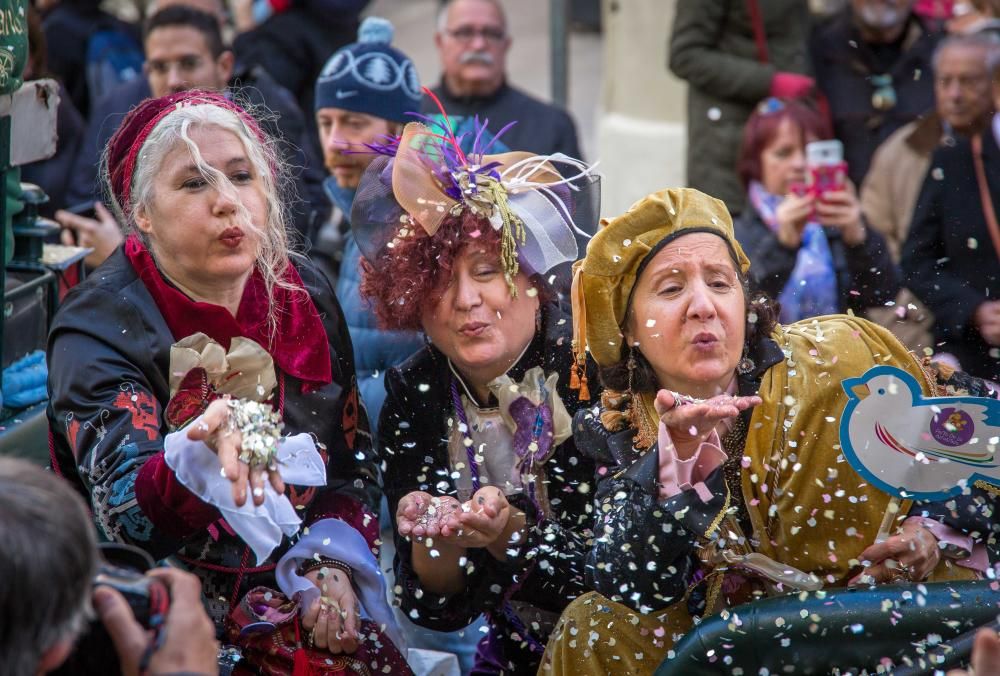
{"x":370,"y":76}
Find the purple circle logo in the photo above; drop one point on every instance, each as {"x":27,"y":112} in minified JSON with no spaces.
{"x":952,"y":427}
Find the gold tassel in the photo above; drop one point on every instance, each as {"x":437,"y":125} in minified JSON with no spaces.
{"x":574,"y":376}
{"x":578,"y":374}
{"x":614,"y":415}
{"x":584,"y":390}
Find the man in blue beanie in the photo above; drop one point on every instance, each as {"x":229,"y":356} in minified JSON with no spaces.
{"x":363,"y":95}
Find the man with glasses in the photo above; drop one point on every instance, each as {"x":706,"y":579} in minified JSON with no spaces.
{"x":951,"y":258}
{"x":888,"y":196}
{"x":472,"y":41}
{"x":185,"y":50}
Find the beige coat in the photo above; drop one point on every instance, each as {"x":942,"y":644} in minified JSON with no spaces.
{"x":888,"y":197}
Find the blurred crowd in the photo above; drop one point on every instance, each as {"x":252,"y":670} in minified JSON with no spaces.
{"x":907,"y":88}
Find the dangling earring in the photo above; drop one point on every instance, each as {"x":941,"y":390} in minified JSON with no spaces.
{"x":630,"y":365}
{"x":745,"y":364}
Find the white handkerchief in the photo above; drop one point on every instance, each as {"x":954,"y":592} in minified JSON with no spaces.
{"x":261,"y":527}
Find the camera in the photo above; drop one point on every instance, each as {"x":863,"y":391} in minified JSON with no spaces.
{"x":123,"y":568}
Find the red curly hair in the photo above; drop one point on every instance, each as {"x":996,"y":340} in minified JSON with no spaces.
{"x":411,"y":273}
{"x":762,"y":128}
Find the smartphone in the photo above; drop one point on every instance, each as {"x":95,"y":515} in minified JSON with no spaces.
{"x":85,"y":209}
{"x":826,"y":169}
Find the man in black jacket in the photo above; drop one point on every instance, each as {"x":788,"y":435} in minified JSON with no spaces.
{"x":184,"y":50}
{"x":472,"y":41}
{"x":873,"y":63}
{"x":294,"y":44}
{"x":951,"y":260}
{"x":68,"y":26}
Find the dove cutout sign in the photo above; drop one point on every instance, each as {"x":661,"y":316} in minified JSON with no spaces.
{"x":911,"y":446}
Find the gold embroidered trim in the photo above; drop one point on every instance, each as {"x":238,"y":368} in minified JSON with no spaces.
{"x":715,"y":586}
{"x":992,"y":489}
{"x":645,"y":429}
{"x":720,"y":516}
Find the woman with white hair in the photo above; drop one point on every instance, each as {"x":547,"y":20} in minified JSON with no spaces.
{"x":201,"y":337}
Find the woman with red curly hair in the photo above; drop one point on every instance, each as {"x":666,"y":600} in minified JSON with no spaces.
{"x":489,"y":496}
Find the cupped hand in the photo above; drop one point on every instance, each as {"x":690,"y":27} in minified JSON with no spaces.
{"x":841,"y":209}
{"x":913,"y":553}
{"x":333,"y":618}
{"x":478,"y":522}
{"x":421,"y":515}
{"x":792,"y":215}
{"x":102,"y":234}
{"x":213,"y":429}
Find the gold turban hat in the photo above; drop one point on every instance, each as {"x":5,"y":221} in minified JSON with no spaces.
{"x":616,"y":256}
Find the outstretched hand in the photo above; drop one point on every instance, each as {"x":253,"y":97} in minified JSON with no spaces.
{"x":213,"y":428}
{"x":422,"y":515}
{"x":690,"y":422}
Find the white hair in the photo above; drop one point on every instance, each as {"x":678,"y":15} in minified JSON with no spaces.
{"x":986,"y":41}
{"x":272,"y":256}
{"x":442,"y":17}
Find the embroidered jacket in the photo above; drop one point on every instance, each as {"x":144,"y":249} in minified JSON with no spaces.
{"x":546,"y":571}
{"x":109,"y":353}
{"x":784,"y":484}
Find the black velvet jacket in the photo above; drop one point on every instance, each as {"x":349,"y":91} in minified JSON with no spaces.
{"x":645,"y":552}
{"x":547,"y":569}
{"x":109,"y":355}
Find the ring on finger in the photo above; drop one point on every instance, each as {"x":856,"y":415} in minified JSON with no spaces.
{"x":684,"y":400}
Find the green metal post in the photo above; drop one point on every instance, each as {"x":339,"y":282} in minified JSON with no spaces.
{"x":4,"y":168}
{"x":559,"y":44}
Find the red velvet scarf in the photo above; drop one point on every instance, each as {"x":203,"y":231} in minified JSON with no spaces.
{"x":299,"y":346}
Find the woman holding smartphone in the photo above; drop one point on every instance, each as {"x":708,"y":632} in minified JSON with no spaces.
{"x":807,"y":238}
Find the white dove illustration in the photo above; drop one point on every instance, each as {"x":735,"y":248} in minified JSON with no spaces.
{"x":916,"y":447}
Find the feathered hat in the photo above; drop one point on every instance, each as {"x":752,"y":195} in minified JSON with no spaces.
{"x":539,"y":203}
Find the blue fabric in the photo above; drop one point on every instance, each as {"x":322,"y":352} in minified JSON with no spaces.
{"x":24,"y":381}
{"x":811,"y":289}
{"x":370,"y":76}
{"x":375,"y":350}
